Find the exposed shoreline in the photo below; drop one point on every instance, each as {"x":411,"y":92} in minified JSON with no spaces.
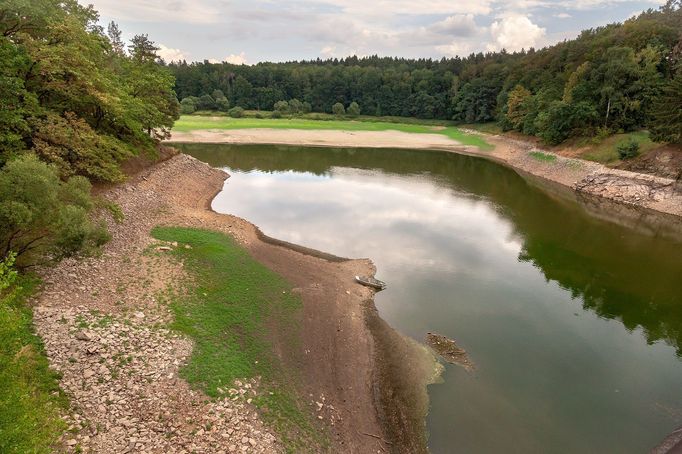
{"x":341,"y":360}
{"x":630,"y":189}
{"x":371,"y":379}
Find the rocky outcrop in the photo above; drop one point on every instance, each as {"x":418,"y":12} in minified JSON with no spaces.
{"x":629,"y":187}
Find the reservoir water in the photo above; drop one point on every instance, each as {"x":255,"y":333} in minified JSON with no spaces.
{"x":574,"y":323}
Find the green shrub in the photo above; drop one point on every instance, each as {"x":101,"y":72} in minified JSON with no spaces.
{"x":188,"y":106}
{"x":295,"y":106}
{"x":236,"y":112}
{"x":8,"y":274}
{"x":560,"y":120}
{"x":281,"y":106}
{"x":353,"y":109}
{"x":276,"y":114}
{"x":115,"y":211}
{"x":41,"y":217}
{"x":75,"y":148}
{"x":222,"y":104}
{"x":99,"y":235}
{"x":206,"y":102}
{"x":601,"y":134}
{"x":628,"y":150}
{"x":259,"y":115}
{"x":338,"y":109}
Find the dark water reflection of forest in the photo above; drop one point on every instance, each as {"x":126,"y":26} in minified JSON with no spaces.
{"x":574,"y":322}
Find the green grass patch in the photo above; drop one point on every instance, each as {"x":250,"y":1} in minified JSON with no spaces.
{"x":230,"y":306}
{"x":322,"y":116}
{"x":188,"y":123}
{"x":540,"y":156}
{"x":30,"y":398}
{"x":606,"y":150}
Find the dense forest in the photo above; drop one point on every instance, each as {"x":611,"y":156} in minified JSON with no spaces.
{"x":75,"y":102}
{"x":617,"y":77}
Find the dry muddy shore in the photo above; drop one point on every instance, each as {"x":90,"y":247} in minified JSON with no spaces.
{"x":105,"y":331}
{"x":587,"y":178}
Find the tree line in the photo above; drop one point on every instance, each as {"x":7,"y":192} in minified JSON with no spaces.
{"x":75,"y":102}
{"x":618,"y":77}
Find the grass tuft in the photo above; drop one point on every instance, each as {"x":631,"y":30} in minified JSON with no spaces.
{"x":540,"y":156}
{"x":228,"y":306}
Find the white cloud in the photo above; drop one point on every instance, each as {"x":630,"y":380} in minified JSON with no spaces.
{"x":236,"y":59}
{"x":515,"y":32}
{"x":343,"y":36}
{"x":170,"y":54}
{"x":269,"y":30}
{"x":232,"y":58}
{"x":194,"y":12}
{"x":455,"y":48}
{"x":409,"y":7}
{"x":516,"y":5}
{"x":590,"y":4}
{"x":328,"y":51}
{"x":457,"y":25}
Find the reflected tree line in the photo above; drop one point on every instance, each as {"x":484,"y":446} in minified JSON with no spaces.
{"x":617,"y":272}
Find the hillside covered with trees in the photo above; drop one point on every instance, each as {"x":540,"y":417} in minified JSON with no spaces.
{"x":75,"y":102}
{"x":619,"y":77}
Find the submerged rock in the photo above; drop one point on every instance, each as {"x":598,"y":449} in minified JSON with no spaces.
{"x":449,"y":351}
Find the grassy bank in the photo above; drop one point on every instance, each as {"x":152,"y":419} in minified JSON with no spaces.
{"x":605,"y":150}
{"x":229,"y":307}
{"x":188,"y":123}
{"x":322,"y":116}
{"x":30,"y":398}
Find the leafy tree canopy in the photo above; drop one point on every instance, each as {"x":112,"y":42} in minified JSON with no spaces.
{"x":43,"y":218}
{"x":75,"y":103}
{"x":72,"y":94}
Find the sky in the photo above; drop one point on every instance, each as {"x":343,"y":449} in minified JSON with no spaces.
{"x":251,"y":31}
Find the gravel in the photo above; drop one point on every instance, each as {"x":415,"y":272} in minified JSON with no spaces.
{"x":108,"y":336}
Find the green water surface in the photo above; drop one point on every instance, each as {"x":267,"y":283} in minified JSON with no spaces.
{"x":574,"y":322}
